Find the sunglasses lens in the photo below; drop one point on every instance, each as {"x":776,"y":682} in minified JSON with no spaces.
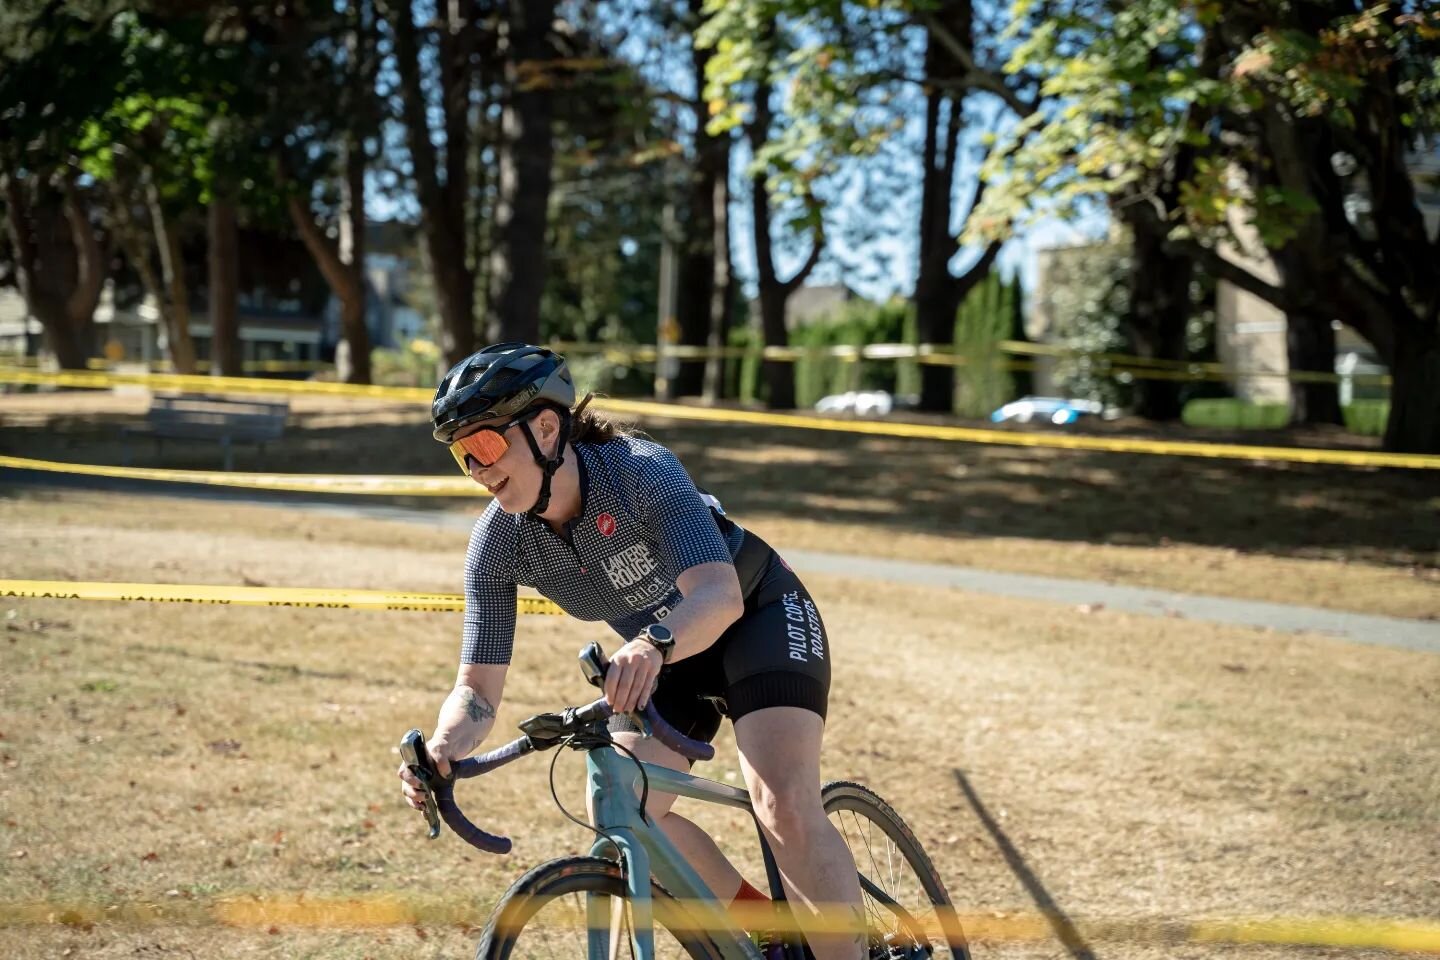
{"x":486,"y":447}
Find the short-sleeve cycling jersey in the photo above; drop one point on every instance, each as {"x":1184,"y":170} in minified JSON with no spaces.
{"x":642,"y":523}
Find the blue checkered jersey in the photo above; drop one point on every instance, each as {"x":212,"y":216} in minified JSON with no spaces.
{"x":642,"y":523}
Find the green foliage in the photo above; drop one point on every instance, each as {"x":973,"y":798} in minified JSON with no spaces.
{"x":1128,"y":83}
{"x":1367,"y":417}
{"x":1231,"y":414}
{"x":1087,"y":299}
{"x":857,"y":324}
{"x":985,"y":319}
{"x":1363,"y":417}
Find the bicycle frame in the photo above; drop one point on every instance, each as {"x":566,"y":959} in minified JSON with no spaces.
{"x":613,"y":783}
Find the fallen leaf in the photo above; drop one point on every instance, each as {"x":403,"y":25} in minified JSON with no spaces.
{"x":150,"y":857}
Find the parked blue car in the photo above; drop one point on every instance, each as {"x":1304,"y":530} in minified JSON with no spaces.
{"x":1049,"y":409}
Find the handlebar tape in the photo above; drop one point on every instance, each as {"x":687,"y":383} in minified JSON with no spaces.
{"x":674,"y":739}
{"x":464,"y":829}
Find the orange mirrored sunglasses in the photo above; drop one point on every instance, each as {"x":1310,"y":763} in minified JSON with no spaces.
{"x":486,"y":445}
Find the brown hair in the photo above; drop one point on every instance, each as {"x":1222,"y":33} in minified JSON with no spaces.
{"x":588,"y":426}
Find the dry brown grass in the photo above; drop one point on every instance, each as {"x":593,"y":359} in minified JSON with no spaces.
{"x":1347,"y":539}
{"x":1141,"y":767}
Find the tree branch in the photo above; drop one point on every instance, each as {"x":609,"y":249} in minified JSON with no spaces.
{"x":982,"y":79}
{"x":1222,"y":268}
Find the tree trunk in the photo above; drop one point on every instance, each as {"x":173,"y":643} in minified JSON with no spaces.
{"x":442,"y":205}
{"x":1159,"y":312}
{"x":721,"y":289}
{"x":1310,"y":342}
{"x":175,"y":305}
{"x":1414,"y":424}
{"x":526,"y":153}
{"x":226,"y":359}
{"x":89,"y":271}
{"x":49,"y":259}
{"x":352,"y":259}
{"x":697,"y":248}
{"x":779,"y":374}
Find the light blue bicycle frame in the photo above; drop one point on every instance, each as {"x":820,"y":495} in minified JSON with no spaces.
{"x":614,"y":782}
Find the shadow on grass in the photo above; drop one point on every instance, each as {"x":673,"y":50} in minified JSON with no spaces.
{"x":1058,"y":919}
{"x":893,"y":484}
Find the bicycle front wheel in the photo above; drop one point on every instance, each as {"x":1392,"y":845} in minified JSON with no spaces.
{"x":550,"y":911}
{"x":907,"y":908}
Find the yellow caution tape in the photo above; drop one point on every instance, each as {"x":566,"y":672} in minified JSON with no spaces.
{"x":1136,"y":367}
{"x":892,"y":428}
{"x":302,"y":911}
{"x":256,"y":596}
{"x":193,"y":383}
{"x":887,"y":428}
{"x":456,"y":486}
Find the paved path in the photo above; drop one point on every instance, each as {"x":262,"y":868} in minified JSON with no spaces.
{"x":1420,"y":635}
{"x":1361,"y":628}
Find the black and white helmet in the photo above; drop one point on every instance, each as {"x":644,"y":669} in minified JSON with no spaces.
{"x":498,"y":383}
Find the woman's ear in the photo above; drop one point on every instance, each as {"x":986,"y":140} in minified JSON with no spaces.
{"x":548,"y":424}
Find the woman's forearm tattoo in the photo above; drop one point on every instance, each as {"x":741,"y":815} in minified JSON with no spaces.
{"x":476,"y":707}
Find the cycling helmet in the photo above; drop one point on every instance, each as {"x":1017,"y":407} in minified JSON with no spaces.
{"x":497,"y":384}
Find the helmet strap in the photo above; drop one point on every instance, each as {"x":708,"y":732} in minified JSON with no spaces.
{"x":548,"y":465}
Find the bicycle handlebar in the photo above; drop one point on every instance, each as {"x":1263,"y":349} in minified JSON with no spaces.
{"x":572,"y":719}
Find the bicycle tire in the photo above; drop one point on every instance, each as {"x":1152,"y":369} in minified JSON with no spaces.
{"x":840,"y":797}
{"x":541,"y":885}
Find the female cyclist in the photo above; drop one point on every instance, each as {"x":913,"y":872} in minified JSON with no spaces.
{"x":610,"y":527}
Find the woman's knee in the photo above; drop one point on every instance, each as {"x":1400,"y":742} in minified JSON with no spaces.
{"x":786,"y":807}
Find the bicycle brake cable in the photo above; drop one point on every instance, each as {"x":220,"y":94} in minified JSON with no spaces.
{"x":555,"y":795}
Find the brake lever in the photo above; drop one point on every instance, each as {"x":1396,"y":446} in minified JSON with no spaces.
{"x":414,"y":755}
{"x":593,"y":664}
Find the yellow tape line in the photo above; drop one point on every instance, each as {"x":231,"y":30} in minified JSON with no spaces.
{"x":890,"y":428}
{"x":456,"y":486}
{"x":887,"y":428}
{"x":1405,"y":936}
{"x":256,"y":596}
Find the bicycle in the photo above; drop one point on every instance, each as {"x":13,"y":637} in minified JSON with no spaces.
{"x":636,"y":887}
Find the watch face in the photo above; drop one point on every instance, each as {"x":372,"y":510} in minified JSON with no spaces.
{"x":661,"y":633}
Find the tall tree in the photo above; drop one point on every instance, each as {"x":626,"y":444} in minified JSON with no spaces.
{"x":1320,"y":102}
{"x":58,"y":67}
{"x":442,"y":177}
{"x":526,"y":154}
{"x":774,"y":292}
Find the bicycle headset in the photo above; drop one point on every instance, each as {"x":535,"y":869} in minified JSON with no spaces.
{"x":495,"y":384}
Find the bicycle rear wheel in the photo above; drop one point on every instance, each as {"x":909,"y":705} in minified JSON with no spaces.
{"x":906,"y":904}
{"x":543,"y":916}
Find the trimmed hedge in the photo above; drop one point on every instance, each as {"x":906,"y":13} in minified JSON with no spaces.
{"x":1365,"y":417}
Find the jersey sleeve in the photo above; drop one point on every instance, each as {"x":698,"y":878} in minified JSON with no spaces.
{"x":679,"y":520}
{"x":489,"y":632}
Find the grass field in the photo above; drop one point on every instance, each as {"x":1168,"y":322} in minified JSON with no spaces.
{"x":1139,"y":768}
{"x":1350,"y":539}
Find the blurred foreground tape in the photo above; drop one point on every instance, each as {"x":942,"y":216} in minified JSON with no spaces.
{"x":267,"y":912}
{"x":883,"y":428}
{"x":398,"y":486}
{"x":256,"y":596}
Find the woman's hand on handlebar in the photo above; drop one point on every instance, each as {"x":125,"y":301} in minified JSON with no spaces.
{"x":631,"y":677}
{"x":442,"y":753}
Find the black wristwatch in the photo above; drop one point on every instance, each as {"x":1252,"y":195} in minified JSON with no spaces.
{"x":660,"y":637}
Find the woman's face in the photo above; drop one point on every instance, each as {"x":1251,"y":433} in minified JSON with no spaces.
{"x":514,"y":479}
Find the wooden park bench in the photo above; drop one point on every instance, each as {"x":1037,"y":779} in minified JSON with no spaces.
{"x":222,"y":419}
